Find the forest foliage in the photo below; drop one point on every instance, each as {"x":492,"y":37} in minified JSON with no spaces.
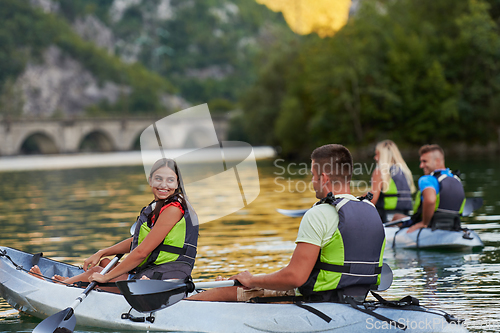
{"x":203,"y":52}
{"x":26,"y":32}
{"x":413,"y":71}
{"x":206,"y":49}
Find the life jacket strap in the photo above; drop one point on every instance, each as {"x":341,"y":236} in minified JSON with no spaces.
{"x":172,"y":249}
{"x":346,"y":268}
{"x":349,"y":300}
{"x":297,"y":300}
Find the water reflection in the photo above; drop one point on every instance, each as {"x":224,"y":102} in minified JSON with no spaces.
{"x":70,"y":214}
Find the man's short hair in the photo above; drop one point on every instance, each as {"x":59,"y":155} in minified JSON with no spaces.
{"x":334,"y":160}
{"x":430,"y":148}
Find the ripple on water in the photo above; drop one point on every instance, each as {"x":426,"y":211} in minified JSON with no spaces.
{"x":70,"y":214}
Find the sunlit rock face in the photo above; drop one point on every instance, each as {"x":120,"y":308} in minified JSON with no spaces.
{"x":48,"y":6}
{"x":90,"y":28}
{"x":61,"y":84}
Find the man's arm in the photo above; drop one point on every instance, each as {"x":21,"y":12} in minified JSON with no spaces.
{"x":428,"y":207}
{"x":292,"y":276}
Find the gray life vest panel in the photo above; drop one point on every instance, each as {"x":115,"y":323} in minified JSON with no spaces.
{"x":360,"y":240}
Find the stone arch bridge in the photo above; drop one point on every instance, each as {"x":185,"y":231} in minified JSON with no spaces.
{"x":104,"y":134}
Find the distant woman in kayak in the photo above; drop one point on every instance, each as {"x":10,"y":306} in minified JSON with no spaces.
{"x":165,"y":238}
{"x":392,"y":181}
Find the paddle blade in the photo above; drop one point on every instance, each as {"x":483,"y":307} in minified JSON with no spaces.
{"x":472,"y":204}
{"x":292,"y":212}
{"x":62,"y":322}
{"x":132,"y":228}
{"x":152,"y":295}
{"x":385,"y":279}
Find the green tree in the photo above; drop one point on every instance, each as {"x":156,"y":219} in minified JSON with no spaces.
{"x":412,"y":71}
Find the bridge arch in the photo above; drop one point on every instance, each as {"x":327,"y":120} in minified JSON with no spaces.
{"x":136,"y":142}
{"x":38,"y":143}
{"x":47,"y":136}
{"x":96,"y":141}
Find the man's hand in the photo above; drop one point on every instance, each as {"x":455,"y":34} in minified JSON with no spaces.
{"x":245,"y":278}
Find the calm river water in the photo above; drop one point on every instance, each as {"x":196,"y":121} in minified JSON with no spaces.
{"x":70,"y":214}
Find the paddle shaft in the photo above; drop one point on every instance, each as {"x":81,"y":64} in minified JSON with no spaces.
{"x":217,"y":284}
{"x":471,"y":204}
{"x":93,"y":284}
{"x":404,"y":219}
{"x":65,"y":318}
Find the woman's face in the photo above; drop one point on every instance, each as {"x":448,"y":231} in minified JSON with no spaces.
{"x":163,"y":183}
{"x":377,"y":154}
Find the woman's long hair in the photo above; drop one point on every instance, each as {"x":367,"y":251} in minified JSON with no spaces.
{"x":177,"y":196}
{"x":390,"y":160}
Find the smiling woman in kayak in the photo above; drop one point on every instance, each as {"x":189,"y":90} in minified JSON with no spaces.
{"x":165,"y":237}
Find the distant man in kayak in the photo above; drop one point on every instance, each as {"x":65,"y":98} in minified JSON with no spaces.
{"x":441,"y":198}
{"x":340,"y":242}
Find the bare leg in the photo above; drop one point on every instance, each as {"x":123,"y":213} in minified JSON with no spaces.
{"x":84,"y":277}
{"x":225,"y":294}
{"x":398,"y":216}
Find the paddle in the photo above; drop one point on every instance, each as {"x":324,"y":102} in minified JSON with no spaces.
{"x":385,"y":279}
{"x":132,"y":228}
{"x":65,"y":321}
{"x":153,"y":295}
{"x":292,"y":212}
{"x":404,"y":219}
{"x":471,"y":204}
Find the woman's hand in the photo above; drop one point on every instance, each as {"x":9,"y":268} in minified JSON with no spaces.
{"x":99,"y":278}
{"x":92,"y":261}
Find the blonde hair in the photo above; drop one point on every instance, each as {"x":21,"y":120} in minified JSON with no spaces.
{"x":390,"y":156}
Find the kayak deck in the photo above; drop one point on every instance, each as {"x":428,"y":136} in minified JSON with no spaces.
{"x":104,"y":310}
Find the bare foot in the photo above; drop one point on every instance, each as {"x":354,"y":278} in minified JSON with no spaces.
{"x":36,"y":272}
{"x":59,"y":278}
{"x":144,"y":277}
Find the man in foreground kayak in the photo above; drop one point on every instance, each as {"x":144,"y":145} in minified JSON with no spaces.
{"x":441,"y":197}
{"x":340,"y":242}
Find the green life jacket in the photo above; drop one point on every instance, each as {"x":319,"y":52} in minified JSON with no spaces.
{"x":180,"y":243}
{"x":354,"y":255}
{"x":397,"y":198}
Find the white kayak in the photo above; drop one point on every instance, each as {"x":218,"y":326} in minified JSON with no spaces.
{"x":101,"y":309}
{"x":426,"y":238}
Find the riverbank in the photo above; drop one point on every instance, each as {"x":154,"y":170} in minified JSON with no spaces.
{"x":129,"y":158}
{"x":459,"y":150}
